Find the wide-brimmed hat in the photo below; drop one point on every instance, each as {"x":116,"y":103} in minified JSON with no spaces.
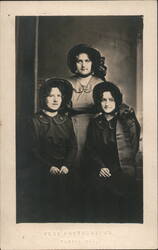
{"x":63,"y":85}
{"x":82,"y":48}
{"x":107,"y":86}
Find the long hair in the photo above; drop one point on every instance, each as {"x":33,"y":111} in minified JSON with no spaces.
{"x":63,"y":85}
{"x":105,"y":86}
{"x":98,"y":67}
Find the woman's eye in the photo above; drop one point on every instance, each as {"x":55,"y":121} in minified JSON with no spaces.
{"x":54,"y":96}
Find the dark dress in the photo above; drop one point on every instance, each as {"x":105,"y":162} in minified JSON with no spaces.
{"x":53,"y":144}
{"x":111,"y":144}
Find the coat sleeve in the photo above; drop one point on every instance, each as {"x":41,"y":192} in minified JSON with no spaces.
{"x":134,"y":130}
{"x":34,"y":134}
{"x":71,"y":146}
{"x":135,"y":135}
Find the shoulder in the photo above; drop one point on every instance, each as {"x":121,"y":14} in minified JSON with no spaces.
{"x":39,"y":118}
{"x":96,"y":80}
{"x":72,"y":79}
{"x":128,"y":117}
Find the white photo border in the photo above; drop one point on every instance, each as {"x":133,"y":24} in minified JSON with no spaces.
{"x":77,"y":235}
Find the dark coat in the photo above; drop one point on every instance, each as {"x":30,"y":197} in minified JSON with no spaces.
{"x":111,"y":145}
{"x":53,"y":140}
{"x":114,"y":148}
{"x":52,"y":143}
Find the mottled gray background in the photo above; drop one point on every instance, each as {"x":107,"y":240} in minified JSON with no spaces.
{"x":115,"y":37}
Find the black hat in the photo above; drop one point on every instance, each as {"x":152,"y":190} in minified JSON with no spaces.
{"x":107,"y":86}
{"x":63,"y":85}
{"x":93,"y":54}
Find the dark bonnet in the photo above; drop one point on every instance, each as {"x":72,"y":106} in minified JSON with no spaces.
{"x":63,"y":85}
{"x":107,"y":86}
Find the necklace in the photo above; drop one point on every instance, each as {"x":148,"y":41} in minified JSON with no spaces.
{"x":86,"y":87}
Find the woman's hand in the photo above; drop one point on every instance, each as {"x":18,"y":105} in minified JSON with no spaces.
{"x":64,"y":170}
{"x":54,"y":171}
{"x":104,"y":172}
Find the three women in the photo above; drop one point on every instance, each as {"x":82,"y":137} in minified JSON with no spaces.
{"x":54,"y":139}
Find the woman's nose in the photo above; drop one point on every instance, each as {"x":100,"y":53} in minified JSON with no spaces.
{"x":107,"y":102}
{"x":83,"y":64}
{"x":55,"y":99}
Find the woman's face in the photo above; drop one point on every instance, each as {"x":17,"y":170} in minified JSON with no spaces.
{"x":83,"y":64}
{"x":108,"y":103}
{"x":54,"y":99}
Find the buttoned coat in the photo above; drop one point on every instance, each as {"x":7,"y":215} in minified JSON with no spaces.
{"x":52,"y":143}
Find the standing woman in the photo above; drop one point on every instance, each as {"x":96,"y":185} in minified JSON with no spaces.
{"x":88,"y":68}
{"x":54,"y":149}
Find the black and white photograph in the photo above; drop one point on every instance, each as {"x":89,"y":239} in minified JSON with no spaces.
{"x":79,"y":119}
{"x":78,"y":135}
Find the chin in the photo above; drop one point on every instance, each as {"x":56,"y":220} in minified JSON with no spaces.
{"x":85,"y":74}
{"x":54,"y":109}
{"x":107,"y":111}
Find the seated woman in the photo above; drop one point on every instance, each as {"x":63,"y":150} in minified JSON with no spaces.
{"x":54,"y":149}
{"x":111,"y":147}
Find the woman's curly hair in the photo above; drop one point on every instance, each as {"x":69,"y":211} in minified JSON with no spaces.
{"x":106,"y":86}
{"x":63,"y":85}
{"x":98,"y":67}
